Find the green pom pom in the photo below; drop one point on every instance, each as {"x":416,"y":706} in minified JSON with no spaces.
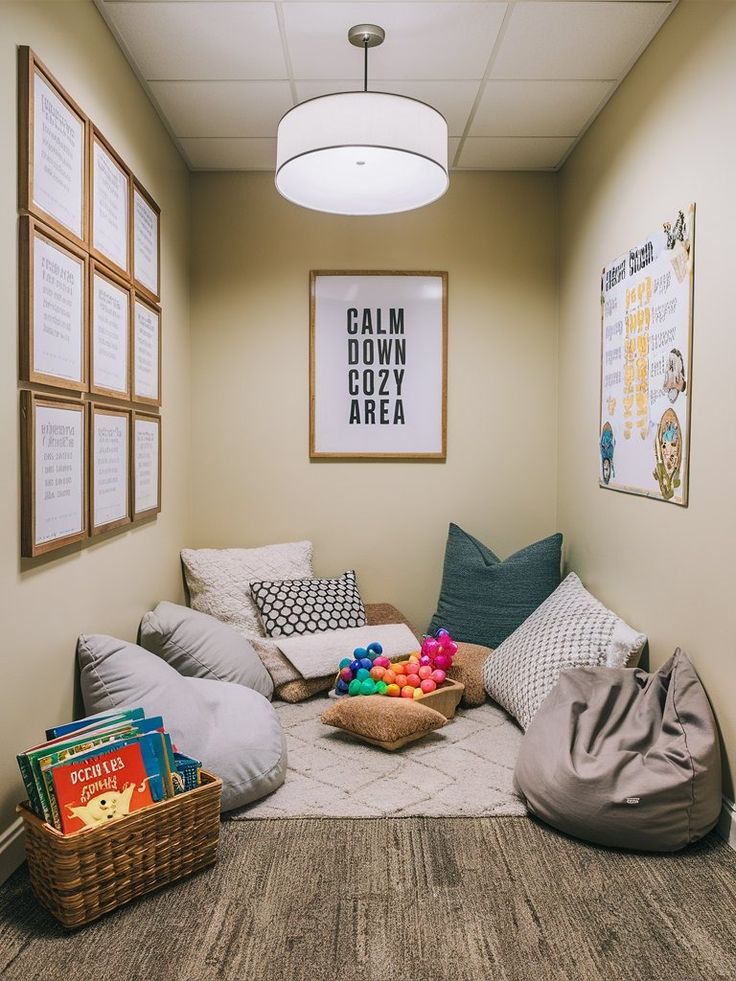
{"x":368,"y":687}
{"x":354,"y":687}
{"x":345,"y":663}
{"x":381,"y":687}
{"x":363,"y":674}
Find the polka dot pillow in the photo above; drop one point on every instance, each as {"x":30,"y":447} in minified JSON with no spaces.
{"x":307,"y":606}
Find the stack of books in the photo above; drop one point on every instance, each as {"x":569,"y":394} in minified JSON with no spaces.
{"x":100,"y":769}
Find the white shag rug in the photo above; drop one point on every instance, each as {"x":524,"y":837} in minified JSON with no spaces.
{"x":463,"y":770}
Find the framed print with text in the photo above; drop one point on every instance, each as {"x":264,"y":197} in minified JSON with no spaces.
{"x":53,"y":150}
{"x":146,"y":352}
{"x":146,"y":465}
{"x":110,"y":184}
{"x":145,"y":242}
{"x":110,"y":306}
{"x":53,"y":308}
{"x":53,"y":473}
{"x":378,"y":365}
{"x":109,"y":472}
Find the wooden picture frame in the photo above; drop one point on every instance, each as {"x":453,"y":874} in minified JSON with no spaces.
{"x":48,"y":266}
{"x":106,"y":286}
{"x":145,"y":224}
{"x":52,"y":429}
{"x":109,"y":243}
{"x":389,"y":402}
{"x":142,"y":464}
{"x":114,"y":513}
{"x":145,"y":374}
{"x":53,"y":174}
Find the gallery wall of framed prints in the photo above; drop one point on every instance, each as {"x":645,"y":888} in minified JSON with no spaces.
{"x":89,"y":369}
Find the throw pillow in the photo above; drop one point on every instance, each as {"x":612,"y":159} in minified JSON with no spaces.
{"x":233,"y":730}
{"x":484,"y":599}
{"x":199,"y":646}
{"x":307,"y":606}
{"x":387,"y":722}
{"x":467,"y":668}
{"x":218,"y":579}
{"x":571,"y":629}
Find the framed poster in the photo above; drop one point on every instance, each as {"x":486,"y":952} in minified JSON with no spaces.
{"x":378,"y":365}
{"x":110,"y":302}
{"x":146,"y":352}
{"x":646,"y":364}
{"x":53,"y":491}
{"x":53,"y":307}
{"x":109,"y":468}
{"x":52,"y":173}
{"x":145,"y":242}
{"x":146,"y":465}
{"x":110,"y":184}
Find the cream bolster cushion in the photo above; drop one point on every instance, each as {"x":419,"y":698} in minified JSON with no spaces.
{"x":200,"y":646}
{"x":317,"y":655}
{"x":233,"y":730}
{"x":624,"y":758}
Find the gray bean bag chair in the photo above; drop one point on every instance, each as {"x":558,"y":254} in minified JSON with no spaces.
{"x":620,"y":757}
{"x":233,"y":730}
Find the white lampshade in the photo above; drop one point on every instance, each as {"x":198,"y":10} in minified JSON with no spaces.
{"x":362,"y":153}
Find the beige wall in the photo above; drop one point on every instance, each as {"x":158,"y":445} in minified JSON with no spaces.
{"x":253,"y":482}
{"x":105,"y":587}
{"x":665,"y":139}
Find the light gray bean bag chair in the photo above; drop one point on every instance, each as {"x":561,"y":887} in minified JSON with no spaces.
{"x":233,"y":730}
{"x":624,"y":758}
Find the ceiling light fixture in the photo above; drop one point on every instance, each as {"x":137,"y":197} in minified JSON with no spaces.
{"x":362,"y":153}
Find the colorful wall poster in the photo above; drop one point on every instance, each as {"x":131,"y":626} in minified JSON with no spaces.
{"x":646,"y":344}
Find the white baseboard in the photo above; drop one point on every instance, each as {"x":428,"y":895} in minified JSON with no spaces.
{"x":12,"y":849}
{"x":726,"y":826}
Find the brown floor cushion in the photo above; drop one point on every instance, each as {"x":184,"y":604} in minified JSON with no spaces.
{"x":467,"y":667}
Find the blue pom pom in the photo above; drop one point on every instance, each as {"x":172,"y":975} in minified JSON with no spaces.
{"x":345,"y":663}
{"x":366,"y":662}
{"x":354,"y":665}
{"x":341,"y":687}
{"x":376,"y":648}
{"x":360,"y":652}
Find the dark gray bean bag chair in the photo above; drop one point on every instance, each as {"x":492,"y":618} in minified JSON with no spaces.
{"x":624,"y":758}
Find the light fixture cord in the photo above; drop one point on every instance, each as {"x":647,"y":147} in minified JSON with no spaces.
{"x":365,"y":63}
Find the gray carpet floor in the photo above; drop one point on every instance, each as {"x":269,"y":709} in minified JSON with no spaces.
{"x":412,"y":899}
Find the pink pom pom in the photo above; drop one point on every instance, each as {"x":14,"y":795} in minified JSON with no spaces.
{"x":438,"y":676}
{"x":429,"y":646}
{"x":450,"y":648}
{"x":442,"y":661}
{"x":425,"y":659}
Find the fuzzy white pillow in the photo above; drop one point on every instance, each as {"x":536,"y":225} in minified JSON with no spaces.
{"x":218,"y":579}
{"x":571,"y":629}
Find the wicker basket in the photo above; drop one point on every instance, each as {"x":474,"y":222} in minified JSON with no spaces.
{"x":80,"y":876}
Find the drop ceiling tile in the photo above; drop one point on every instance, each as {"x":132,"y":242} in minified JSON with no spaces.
{"x":435,"y":40}
{"x":223,"y":108}
{"x":575,"y":40}
{"x":512,"y":153}
{"x":201,"y":40}
{"x":453,"y":99}
{"x":230,"y":154}
{"x":526,"y":108}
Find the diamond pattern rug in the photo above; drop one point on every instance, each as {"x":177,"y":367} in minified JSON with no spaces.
{"x":462,"y":770}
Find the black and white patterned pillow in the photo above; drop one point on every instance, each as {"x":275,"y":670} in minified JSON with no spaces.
{"x":308,"y":606}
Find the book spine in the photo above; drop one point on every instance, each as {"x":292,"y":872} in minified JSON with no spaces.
{"x":27,"y":774}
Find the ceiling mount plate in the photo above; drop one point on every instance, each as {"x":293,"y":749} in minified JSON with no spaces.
{"x":366,"y":35}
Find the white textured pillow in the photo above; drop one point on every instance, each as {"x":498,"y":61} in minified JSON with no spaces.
{"x":571,"y":629}
{"x":218,"y":579}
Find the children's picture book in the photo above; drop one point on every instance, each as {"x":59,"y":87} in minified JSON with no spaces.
{"x":100,"y":788}
{"x":123,"y":740}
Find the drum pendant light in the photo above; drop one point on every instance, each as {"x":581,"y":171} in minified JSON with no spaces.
{"x":362,"y":153}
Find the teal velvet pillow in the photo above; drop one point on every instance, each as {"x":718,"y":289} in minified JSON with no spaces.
{"x":484,"y":599}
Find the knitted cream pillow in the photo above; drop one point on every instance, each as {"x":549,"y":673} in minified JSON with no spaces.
{"x":571,"y":629}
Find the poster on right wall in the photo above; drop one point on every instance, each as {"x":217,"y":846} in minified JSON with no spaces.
{"x":646,"y":344}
